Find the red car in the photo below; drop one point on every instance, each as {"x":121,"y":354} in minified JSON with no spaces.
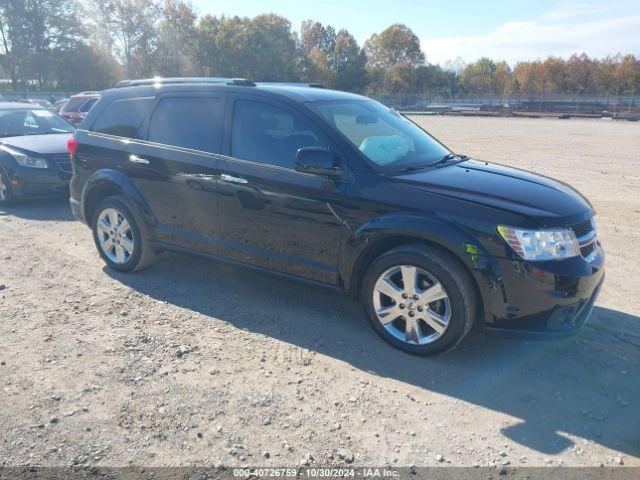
{"x":78,"y":106}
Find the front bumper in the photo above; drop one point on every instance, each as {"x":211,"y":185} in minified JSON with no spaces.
{"x":36,"y":182}
{"x":545,"y":299}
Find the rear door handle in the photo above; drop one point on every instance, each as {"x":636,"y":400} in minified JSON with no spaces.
{"x":137,"y":159}
{"x":232,"y":179}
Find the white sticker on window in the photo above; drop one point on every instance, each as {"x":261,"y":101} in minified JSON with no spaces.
{"x":42,"y":113}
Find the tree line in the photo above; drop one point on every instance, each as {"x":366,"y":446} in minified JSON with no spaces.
{"x":91,"y":44}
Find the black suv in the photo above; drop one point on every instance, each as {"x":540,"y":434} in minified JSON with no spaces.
{"x":335,"y":189}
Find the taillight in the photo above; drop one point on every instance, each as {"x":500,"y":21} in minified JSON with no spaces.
{"x":72,"y":145}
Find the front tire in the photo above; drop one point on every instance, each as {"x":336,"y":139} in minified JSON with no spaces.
{"x":419,"y":299}
{"x":119,"y":236}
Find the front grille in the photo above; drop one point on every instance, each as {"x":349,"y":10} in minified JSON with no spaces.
{"x":63,"y":165}
{"x":586,"y":235}
{"x":587,"y":249}
{"x":582,"y":229}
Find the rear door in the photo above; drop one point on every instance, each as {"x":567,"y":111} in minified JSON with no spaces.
{"x":175,"y":167}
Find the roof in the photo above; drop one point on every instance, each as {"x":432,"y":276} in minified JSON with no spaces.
{"x":300,"y":92}
{"x":20,"y":105}
{"x":85,"y":95}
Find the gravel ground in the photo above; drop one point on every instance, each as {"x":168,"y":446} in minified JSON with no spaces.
{"x":196,"y":363}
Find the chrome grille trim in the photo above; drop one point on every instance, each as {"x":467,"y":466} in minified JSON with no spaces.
{"x":588,"y":241}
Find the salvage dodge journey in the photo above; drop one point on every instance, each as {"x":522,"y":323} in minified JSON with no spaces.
{"x":336,"y":189}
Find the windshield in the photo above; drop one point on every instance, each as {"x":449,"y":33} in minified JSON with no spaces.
{"x":384,"y":136}
{"x":19,"y":122}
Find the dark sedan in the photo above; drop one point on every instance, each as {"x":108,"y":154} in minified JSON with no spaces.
{"x":34,"y":161}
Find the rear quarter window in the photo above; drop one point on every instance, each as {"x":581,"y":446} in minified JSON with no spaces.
{"x":123,"y":118}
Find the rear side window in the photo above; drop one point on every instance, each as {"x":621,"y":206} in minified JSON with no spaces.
{"x":87,"y":106}
{"x":73,"y":104}
{"x":269,"y":134}
{"x":123,"y":117}
{"x":189,"y":122}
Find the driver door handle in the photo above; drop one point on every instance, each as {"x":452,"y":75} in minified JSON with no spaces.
{"x":232,"y":179}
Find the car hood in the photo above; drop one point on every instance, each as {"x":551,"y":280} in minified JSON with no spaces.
{"x":538,"y":197}
{"x":39,"y":144}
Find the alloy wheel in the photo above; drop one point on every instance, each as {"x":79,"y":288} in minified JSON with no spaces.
{"x":411,"y":304}
{"x":115,"y":236}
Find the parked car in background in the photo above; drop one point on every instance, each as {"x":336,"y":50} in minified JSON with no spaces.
{"x":34,"y":160}
{"x":59,"y":104}
{"x":336,"y":189}
{"x":38,"y":101}
{"x":78,"y":106}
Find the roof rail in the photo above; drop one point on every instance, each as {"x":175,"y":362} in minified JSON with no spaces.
{"x":294,"y":84}
{"x":180,"y":80}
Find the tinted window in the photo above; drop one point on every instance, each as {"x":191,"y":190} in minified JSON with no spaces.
{"x":188,"y":122}
{"x":123,"y":117}
{"x":269,"y":134}
{"x":87,"y":106}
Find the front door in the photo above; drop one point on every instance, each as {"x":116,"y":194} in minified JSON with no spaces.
{"x":269,"y":214}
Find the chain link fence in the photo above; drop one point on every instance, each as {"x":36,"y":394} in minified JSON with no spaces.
{"x":543,"y":105}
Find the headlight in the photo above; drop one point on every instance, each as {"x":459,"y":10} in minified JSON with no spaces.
{"x":25,"y":160}
{"x":553,"y":244}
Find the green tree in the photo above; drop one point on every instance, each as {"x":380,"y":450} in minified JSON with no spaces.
{"x":348,"y":62}
{"x":31,"y":30}
{"x":526,"y":77}
{"x":135,"y":30}
{"x":262,"y":48}
{"x":315,"y":35}
{"x":580,"y":73}
{"x":396,"y":44}
{"x":478,"y":77}
{"x":85,"y":68}
{"x":176,"y":49}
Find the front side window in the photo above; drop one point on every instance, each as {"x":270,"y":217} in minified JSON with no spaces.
{"x":188,"y":122}
{"x":123,"y":117}
{"x":270,"y":134}
{"x":385,"y":137}
{"x":18,"y":122}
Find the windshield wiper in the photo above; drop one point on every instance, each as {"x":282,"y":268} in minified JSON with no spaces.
{"x":447,"y":158}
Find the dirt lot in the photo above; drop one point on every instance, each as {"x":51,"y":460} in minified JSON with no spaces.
{"x":193,"y":362}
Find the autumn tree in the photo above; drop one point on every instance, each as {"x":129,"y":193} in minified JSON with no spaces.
{"x":627,"y":74}
{"x":502,"y":79}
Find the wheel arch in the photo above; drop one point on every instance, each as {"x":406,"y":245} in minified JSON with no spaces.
{"x":385,"y":234}
{"x":105,"y":183}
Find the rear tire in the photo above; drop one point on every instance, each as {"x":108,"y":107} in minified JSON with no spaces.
{"x":6,"y":194}
{"x":433,"y":312}
{"x":119,"y":235}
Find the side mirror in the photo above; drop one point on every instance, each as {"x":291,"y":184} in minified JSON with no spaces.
{"x":316,"y":160}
